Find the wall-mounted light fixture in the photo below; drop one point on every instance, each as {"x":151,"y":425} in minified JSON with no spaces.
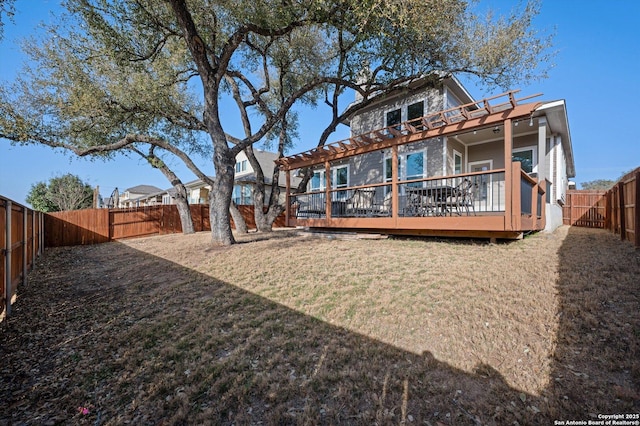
{"x":496,"y":130}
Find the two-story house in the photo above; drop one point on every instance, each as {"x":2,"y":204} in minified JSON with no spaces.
{"x":244,"y":179}
{"x":434,"y":161}
{"x":139,"y":196}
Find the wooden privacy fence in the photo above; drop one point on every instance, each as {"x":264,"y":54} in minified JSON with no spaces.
{"x":617,"y":209}
{"x":93,"y":226}
{"x":21,"y":240}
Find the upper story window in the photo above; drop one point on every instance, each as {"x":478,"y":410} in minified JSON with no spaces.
{"x":241,"y":166}
{"x":404,"y":113}
{"x":415,"y":111}
{"x":394,"y":117}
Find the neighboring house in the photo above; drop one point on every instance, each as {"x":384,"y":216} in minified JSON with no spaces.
{"x":244,"y":180}
{"x":137,"y":196}
{"x":245,"y":177}
{"x":436,"y":162}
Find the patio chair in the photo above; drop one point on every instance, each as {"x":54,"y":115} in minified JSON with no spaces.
{"x":462,"y":198}
{"x":383,"y":208}
{"x":361,"y":202}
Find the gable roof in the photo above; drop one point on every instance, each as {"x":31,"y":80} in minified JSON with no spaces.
{"x":143,"y":189}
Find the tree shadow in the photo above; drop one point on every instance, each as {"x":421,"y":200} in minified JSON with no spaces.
{"x":158,"y":343}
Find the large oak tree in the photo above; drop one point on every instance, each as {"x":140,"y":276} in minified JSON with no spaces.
{"x":116,"y":74}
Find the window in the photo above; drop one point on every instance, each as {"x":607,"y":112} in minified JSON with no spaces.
{"x":415,"y":111}
{"x":394,"y":117}
{"x":339,"y":178}
{"x":241,"y":166}
{"x":411,"y":166}
{"x":526,"y":156}
{"x":317,"y":181}
{"x":388,"y":169}
{"x":414,"y":165}
{"x":457,"y":162}
{"x":242,"y":195}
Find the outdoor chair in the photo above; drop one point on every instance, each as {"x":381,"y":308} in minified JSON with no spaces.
{"x":310,"y":206}
{"x":462,"y":198}
{"x":361,"y":202}
{"x":383,"y":208}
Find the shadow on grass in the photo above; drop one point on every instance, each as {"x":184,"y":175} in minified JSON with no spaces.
{"x":135,"y":338}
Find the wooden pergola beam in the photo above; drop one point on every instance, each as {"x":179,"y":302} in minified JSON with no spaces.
{"x":357,"y":147}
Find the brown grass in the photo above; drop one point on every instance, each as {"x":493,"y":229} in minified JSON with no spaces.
{"x":284,"y":329}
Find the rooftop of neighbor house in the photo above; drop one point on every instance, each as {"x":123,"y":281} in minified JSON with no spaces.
{"x":143,"y":189}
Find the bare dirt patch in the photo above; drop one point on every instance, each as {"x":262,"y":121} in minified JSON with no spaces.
{"x":284,"y":329}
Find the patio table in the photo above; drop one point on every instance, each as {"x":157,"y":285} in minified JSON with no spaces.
{"x":436,"y":199}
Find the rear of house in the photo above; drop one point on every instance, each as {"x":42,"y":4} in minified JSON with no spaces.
{"x":436,"y":162}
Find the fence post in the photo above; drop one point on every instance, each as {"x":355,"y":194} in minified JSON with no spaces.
{"x":637,"y":210}
{"x":25,"y":244}
{"x":623,"y":230}
{"x":7,"y":259}
{"x":33,"y":239}
{"x":40,"y":233}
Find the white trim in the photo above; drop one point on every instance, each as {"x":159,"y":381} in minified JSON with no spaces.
{"x":334,"y":175}
{"x":404,"y":110}
{"x":445,"y":156}
{"x":390,"y":109}
{"x":489,"y":183}
{"x":403,"y":163}
{"x":473,"y":163}
{"x":459,"y":154}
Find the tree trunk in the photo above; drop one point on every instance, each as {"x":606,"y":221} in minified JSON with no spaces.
{"x":220,"y":195}
{"x":182,"y":203}
{"x":182,"y":198}
{"x":238,"y":219}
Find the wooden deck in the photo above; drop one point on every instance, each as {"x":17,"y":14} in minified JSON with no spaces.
{"x":509,"y":202}
{"x":518,"y":209}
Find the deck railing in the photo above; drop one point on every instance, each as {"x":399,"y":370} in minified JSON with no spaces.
{"x":463,"y":194}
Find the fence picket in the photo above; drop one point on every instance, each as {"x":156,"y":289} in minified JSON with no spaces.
{"x":92,"y":226}
{"x":617,"y":210}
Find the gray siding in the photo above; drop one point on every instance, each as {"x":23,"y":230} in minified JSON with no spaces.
{"x":374,"y":117}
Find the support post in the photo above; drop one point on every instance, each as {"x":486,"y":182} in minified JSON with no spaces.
{"x":542,"y":150}
{"x":287,"y":198}
{"x":41,"y":234}
{"x":33,"y":239}
{"x":25,"y":244}
{"x":7,"y":259}
{"x":395,"y":200}
{"x":516,"y":196}
{"x":508,"y":175}
{"x":327,"y":190}
{"x":637,"y":211}
{"x":534,"y":205}
{"x":623,"y":228}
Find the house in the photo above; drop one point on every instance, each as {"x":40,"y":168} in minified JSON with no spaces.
{"x":431,"y":161}
{"x":245,"y":178}
{"x":136,"y":196}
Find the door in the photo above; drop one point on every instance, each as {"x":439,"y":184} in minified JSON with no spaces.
{"x":482,"y":196}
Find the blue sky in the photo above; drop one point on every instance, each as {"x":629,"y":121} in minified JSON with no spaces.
{"x":595,"y":71}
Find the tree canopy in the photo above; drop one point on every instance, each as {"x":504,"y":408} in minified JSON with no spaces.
{"x":61,"y":193}
{"x":7,"y":9}
{"x":115,"y":74}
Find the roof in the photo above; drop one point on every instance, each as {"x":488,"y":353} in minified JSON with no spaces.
{"x":143,"y":189}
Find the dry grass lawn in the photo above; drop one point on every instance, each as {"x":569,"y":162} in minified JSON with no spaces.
{"x":285,"y":329}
